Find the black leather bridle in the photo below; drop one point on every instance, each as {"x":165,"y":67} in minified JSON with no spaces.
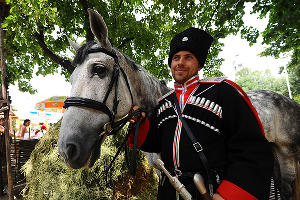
{"x":113,"y":126}
{"x":101,"y":106}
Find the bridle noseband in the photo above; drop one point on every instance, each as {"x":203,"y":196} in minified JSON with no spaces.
{"x":101,"y":106}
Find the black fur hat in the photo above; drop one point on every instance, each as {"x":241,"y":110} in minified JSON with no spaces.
{"x":194,"y":40}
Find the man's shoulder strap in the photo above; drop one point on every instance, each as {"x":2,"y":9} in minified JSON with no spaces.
{"x":213,"y":79}
{"x":166,"y":95}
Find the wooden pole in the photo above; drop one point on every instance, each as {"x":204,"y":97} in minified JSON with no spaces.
{"x":7,"y":152}
{"x":297,"y":182}
{"x":6,"y":114}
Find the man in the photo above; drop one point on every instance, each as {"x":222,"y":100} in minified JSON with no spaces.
{"x":238,"y":158}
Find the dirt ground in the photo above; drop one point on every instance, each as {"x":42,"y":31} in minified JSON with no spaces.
{"x":4,"y":197}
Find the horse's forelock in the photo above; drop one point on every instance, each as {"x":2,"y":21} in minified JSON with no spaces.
{"x":82,"y":53}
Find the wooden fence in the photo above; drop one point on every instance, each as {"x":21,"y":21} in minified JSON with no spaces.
{"x":20,"y":151}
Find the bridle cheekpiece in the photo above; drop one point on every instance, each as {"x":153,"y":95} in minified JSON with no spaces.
{"x":101,"y":106}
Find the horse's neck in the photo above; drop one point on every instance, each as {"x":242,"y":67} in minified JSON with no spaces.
{"x":147,"y":90}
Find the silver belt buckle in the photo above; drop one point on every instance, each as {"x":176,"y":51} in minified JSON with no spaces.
{"x":198,"y":147}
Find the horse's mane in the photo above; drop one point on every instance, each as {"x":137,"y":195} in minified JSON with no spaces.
{"x":149,"y":101}
{"x":130,"y":62}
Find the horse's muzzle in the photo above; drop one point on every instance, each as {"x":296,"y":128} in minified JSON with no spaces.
{"x":71,"y":155}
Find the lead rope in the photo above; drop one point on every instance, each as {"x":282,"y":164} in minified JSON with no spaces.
{"x":131,"y":168}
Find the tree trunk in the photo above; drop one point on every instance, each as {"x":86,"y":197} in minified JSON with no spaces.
{"x":7,"y":152}
{"x":6,"y":113}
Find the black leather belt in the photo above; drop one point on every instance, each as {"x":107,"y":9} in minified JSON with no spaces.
{"x":183,"y":174}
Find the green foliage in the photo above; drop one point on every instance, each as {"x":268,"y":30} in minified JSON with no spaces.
{"x":294,"y":78}
{"x":282,"y":32}
{"x":47,"y":176}
{"x":297,"y":98}
{"x":258,"y":80}
{"x":250,"y":34}
{"x":36,"y":30}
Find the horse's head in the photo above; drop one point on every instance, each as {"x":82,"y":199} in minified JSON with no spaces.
{"x":100,"y":94}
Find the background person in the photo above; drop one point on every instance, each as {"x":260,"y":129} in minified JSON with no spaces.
{"x":2,"y":129}
{"x":2,"y":121}
{"x":25,"y":130}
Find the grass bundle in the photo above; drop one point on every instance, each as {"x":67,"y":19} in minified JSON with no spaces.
{"x":47,"y":176}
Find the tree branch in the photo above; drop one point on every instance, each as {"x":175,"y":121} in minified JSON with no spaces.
{"x":89,"y":35}
{"x":4,"y":10}
{"x":125,"y":42}
{"x":208,"y":24}
{"x":116,"y":13}
{"x":120,"y":4}
{"x":55,"y":58}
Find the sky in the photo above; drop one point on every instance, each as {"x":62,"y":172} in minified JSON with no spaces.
{"x":48,"y":86}
{"x":236,"y":52}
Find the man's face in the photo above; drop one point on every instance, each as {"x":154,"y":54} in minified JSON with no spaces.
{"x":184,"y":65}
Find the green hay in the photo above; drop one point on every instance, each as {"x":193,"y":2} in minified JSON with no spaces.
{"x":47,"y":176}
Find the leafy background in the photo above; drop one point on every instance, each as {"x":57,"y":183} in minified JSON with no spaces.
{"x":35,"y":31}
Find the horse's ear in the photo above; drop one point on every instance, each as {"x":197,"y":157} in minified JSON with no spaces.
{"x":74,"y":45}
{"x":99,"y":29}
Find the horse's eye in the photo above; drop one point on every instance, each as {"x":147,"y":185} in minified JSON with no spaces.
{"x":99,"y":70}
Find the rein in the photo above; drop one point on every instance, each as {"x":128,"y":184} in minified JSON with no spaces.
{"x":112,"y":126}
{"x":131,"y":168}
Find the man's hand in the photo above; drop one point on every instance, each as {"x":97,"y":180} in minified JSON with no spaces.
{"x":217,"y":197}
{"x":134,"y":118}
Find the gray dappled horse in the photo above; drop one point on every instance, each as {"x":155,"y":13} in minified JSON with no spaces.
{"x":106,"y":83}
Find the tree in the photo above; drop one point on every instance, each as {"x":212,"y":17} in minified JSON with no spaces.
{"x":282,"y":32}
{"x":258,"y":80}
{"x":37,"y":30}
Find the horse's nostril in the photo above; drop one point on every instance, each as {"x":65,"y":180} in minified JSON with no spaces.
{"x":72,"y":151}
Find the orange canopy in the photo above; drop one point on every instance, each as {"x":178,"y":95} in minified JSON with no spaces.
{"x":52,"y":104}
